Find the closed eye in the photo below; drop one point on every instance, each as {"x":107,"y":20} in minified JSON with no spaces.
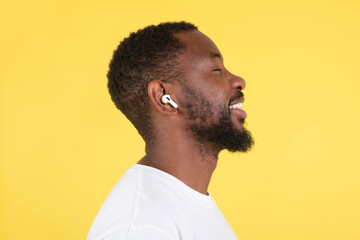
{"x":217,"y":69}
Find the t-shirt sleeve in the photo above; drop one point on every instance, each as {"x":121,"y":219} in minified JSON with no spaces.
{"x":139,"y":233}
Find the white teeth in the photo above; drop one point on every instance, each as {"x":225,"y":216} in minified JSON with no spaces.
{"x":236,"y":106}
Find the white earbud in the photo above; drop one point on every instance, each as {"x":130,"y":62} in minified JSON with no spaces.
{"x":167,"y":99}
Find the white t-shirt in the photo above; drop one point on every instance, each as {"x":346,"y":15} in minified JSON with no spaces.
{"x":149,"y":204}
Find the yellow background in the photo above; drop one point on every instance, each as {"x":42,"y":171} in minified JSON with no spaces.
{"x":64,"y":145}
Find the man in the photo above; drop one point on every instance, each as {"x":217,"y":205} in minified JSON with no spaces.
{"x":170,"y":82}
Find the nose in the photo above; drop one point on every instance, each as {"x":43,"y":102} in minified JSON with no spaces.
{"x":237,"y":82}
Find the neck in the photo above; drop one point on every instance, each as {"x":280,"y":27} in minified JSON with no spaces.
{"x":191,"y":162}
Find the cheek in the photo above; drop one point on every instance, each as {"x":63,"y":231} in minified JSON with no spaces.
{"x":204,"y":105}
{"x":201,"y":110}
{"x":216,"y":88}
{"x":214,"y":95}
{"x":218,"y":100}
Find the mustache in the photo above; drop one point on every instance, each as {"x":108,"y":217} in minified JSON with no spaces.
{"x":237,"y":96}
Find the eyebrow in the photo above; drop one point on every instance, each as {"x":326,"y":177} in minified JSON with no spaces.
{"x":215,"y":55}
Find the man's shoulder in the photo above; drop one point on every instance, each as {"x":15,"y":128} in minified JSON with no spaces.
{"x":138,"y":199}
{"x":136,"y":190}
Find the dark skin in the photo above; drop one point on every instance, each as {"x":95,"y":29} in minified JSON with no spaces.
{"x":174,"y":149}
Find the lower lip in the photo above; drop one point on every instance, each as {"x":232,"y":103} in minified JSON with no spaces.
{"x":239,"y":112}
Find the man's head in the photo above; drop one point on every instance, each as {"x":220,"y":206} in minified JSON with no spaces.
{"x":190,"y":67}
{"x":147,"y":55}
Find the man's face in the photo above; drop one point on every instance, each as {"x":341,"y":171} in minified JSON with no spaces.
{"x":210,"y":92}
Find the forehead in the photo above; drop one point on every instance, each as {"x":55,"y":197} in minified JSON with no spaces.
{"x":198,"y":45}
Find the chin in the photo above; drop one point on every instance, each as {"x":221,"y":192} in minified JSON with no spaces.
{"x":239,"y":124}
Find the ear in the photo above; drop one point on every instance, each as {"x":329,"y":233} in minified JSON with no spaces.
{"x":157,"y":89}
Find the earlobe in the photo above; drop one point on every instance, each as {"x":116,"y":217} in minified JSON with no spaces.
{"x":160,"y":98}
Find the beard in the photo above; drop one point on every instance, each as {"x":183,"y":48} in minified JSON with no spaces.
{"x":211,"y":123}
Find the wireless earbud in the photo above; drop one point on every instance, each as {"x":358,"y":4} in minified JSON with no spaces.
{"x":167,"y":99}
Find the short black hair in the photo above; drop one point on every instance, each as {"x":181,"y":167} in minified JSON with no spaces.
{"x":148,"y":54}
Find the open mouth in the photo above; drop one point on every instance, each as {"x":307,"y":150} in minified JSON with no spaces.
{"x":236,"y":108}
{"x":237,"y":103}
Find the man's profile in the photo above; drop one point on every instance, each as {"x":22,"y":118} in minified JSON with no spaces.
{"x":164,"y":195}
